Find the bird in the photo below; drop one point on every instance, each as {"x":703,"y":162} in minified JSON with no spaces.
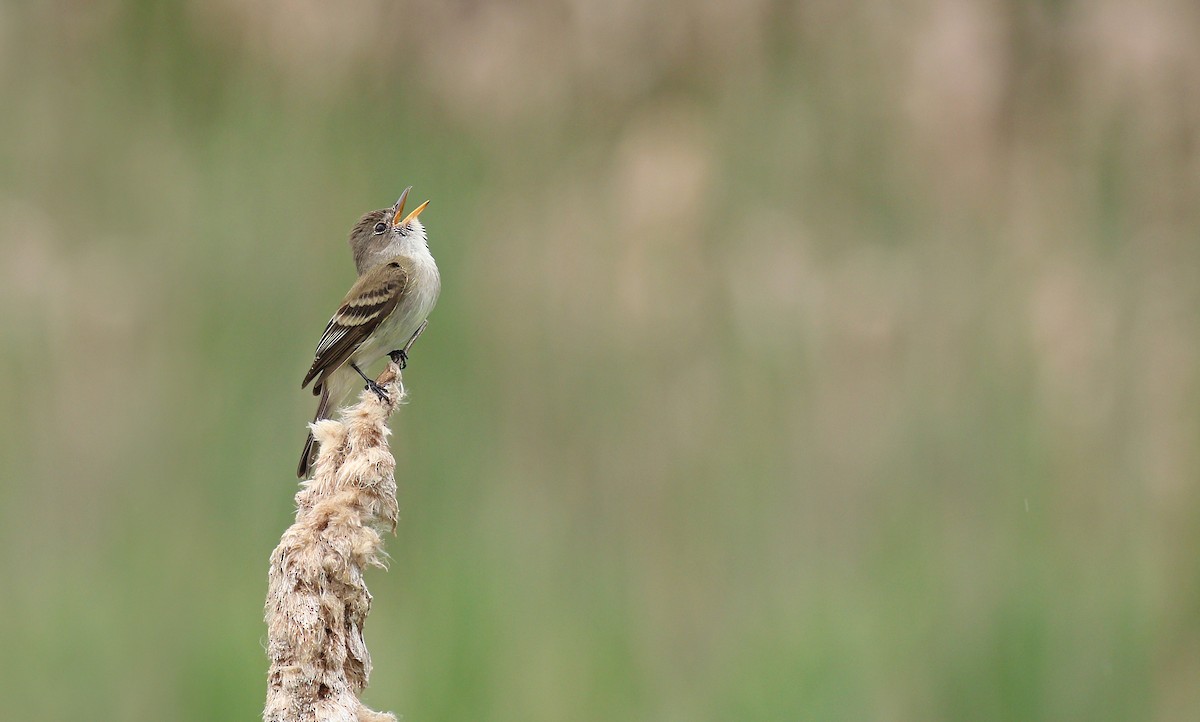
{"x":382,"y":314}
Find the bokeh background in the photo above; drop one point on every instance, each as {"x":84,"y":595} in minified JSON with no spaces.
{"x":795,"y":361}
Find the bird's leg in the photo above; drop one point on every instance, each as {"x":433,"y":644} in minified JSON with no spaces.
{"x":400,"y":356}
{"x":416,"y":334}
{"x":376,"y":388}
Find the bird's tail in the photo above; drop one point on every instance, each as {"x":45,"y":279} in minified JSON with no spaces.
{"x":310,"y":446}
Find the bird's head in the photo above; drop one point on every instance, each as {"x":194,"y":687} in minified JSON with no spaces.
{"x":388,"y":232}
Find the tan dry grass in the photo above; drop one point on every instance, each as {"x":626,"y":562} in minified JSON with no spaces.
{"x":317,"y":600}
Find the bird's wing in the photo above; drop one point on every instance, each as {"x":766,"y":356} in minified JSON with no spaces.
{"x":372,"y":298}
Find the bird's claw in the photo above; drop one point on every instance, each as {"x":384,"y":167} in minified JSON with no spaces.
{"x":400,"y":358}
{"x":379,"y":391}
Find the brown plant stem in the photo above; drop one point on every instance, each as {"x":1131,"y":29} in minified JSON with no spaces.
{"x":317,"y":600}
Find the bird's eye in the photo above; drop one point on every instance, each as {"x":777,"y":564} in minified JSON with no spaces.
{"x":380,"y":228}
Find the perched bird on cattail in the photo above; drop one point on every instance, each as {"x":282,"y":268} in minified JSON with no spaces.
{"x":387,"y":308}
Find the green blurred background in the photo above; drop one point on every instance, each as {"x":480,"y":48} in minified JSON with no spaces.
{"x":819,"y":361}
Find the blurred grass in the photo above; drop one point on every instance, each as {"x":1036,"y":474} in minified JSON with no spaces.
{"x":793,"y":362}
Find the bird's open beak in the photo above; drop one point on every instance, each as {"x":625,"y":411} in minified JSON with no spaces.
{"x":413,"y":216}
{"x":398,"y":209}
{"x":396,"y":220}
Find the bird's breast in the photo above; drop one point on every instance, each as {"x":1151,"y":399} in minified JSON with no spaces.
{"x":420,"y":296}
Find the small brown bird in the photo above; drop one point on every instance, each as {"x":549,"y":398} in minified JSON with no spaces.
{"x":397,"y":287}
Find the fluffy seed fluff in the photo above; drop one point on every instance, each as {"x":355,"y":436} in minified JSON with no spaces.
{"x":317,"y":601}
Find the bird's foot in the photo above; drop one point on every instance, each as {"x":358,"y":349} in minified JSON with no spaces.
{"x":400,"y":358}
{"x":379,"y":391}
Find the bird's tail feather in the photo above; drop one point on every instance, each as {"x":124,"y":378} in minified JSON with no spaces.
{"x":310,"y":446}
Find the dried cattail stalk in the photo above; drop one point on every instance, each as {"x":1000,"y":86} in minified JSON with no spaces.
{"x":317,"y":601}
